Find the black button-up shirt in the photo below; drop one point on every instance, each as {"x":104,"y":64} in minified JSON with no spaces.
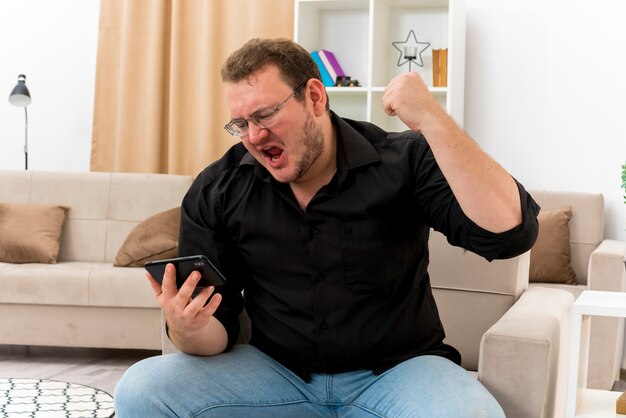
{"x":343,"y":285}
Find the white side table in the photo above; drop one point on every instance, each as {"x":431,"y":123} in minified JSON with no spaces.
{"x":580,"y":400}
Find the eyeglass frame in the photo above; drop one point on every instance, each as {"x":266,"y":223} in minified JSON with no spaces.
{"x":229,"y":127}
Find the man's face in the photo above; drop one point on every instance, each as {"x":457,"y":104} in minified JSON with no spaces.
{"x":292,"y":145}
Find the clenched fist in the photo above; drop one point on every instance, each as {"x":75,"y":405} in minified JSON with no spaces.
{"x":407,"y":97}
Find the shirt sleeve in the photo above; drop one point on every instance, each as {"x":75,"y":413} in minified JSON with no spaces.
{"x":442,"y":212}
{"x":202,"y":232}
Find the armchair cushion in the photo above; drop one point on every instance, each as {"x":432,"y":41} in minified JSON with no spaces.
{"x":550,"y":257}
{"x":30,"y":233}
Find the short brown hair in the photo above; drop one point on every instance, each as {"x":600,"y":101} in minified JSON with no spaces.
{"x":294,"y":62}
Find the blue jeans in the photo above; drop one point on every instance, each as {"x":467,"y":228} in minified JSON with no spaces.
{"x":247,"y":383}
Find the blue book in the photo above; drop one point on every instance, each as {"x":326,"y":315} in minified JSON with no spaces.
{"x":326,"y":78}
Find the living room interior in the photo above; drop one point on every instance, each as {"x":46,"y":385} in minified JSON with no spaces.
{"x":541,"y":93}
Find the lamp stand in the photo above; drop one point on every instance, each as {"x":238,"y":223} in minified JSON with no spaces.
{"x":26,"y":138}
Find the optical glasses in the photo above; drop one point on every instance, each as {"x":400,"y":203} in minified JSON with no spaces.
{"x":264,"y":118}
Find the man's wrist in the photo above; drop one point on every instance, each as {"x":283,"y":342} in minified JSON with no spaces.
{"x":207,"y":341}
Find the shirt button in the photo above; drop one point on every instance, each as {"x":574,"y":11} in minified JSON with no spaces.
{"x":324,"y":325}
{"x":313,"y":232}
{"x":321,"y":277}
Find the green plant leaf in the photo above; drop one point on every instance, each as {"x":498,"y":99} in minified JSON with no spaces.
{"x":624,"y":181}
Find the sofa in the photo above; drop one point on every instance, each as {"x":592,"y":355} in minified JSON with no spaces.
{"x":79,"y":298}
{"x":588,"y":261}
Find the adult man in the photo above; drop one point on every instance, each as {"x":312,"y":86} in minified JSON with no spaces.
{"x":324,"y":223}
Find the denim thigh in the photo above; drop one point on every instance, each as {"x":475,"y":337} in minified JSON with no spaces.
{"x":247,"y":383}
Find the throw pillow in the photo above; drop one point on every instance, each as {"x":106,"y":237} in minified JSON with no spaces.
{"x":155,"y":238}
{"x":30,"y":233}
{"x":550,"y":258}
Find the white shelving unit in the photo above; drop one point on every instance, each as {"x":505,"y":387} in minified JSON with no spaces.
{"x":360,"y":34}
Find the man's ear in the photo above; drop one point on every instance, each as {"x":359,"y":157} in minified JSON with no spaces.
{"x":318,"y":96}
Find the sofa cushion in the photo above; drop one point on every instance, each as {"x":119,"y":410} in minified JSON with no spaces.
{"x":75,"y":283}
{"x":152,"y":239}
{"x":120,"y":287}
{"x":550,"y":257}
{"x":64,"y":283}
{"x":30,"y":233}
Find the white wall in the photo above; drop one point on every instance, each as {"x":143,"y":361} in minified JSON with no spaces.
{"x":545,"y":92}
{"x":545,"y":89}
{"x":54,"y":44}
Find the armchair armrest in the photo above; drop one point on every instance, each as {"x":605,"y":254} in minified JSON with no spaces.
{"x":606,"y":267}
{"x":523,"y":356}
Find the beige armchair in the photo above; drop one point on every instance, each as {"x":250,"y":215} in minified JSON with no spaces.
{"x":517,"y":339}
{"x":599,"y":265}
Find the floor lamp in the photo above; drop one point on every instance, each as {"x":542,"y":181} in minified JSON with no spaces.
{"x":20,"y":96}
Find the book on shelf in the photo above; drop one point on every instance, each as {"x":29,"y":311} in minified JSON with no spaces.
{"x":332,"y":65}
{"x":440,"y":67}
{"x":443,"y":66}
{"x":326,"y":78}
{"x":435,"y":53}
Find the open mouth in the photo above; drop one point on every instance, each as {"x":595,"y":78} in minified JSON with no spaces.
{"x":273,"y":153}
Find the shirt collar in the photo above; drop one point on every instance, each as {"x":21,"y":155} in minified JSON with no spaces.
{"x":353,"y":150}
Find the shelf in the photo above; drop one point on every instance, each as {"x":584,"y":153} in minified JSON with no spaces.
{"x":337,"y":4}
{"x":433,"y":90}
{"x":346,"y":90}
{"x":360,"y":33}
{"x":322,"y":25}
{"x":422,"y":4}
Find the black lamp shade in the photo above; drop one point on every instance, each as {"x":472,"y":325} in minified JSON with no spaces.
{"x":20,"y":96}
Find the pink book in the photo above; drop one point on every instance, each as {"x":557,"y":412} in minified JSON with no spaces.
{"x":331,"y":63}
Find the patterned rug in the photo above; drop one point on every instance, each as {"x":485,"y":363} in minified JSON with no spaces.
{"x":36,"y":398}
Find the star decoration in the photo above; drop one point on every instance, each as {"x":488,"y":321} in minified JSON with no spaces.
{"x":420,"y":47}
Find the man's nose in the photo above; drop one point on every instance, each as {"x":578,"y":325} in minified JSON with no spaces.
{"x":255,"y":132}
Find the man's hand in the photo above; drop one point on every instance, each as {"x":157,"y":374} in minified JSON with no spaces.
{"x":192,"y":327}
{"x":407,"y":97}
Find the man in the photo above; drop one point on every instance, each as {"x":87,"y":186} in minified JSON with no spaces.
{"x":324,"y":223}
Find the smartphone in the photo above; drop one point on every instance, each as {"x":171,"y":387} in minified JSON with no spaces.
{"x":210,"y":275}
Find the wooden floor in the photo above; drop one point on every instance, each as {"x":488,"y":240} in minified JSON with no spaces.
{"x":98,"y":368}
